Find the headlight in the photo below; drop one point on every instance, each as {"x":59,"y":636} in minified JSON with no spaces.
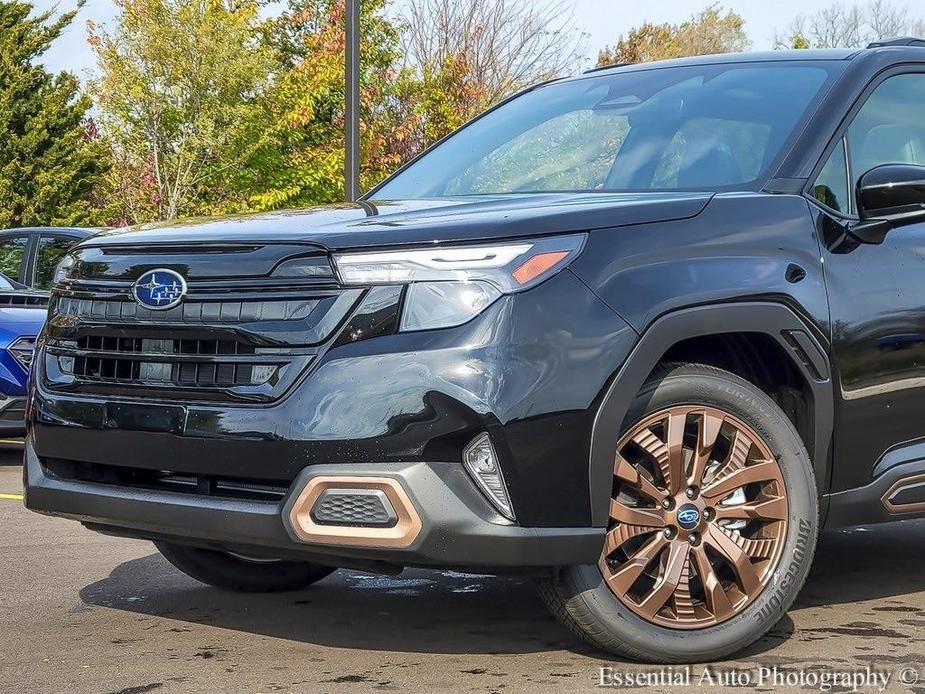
{"x":63,"y":269}
{"x":451,"y":285}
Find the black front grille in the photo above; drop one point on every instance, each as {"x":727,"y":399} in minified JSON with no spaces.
{"x":190,"y":312}
{"x":198,"y":375}
{"x":159,"y":361}
{"x":141,"y":345}
{"x":253,"y":319}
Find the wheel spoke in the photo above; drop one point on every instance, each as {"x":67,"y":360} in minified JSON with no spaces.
{"x":757,"y":548}
{"x":629,"y":474}
{"x":675,"y":477}
{"x":721,"y":487}
{"x":656,"y":448}
{"x":621,"y":534}
{"x":683,"y":602}
{"x":724,"y":543}
{"x":771,"y":509}
{"x":622,"y":580}
{"x":738,"y":454}
{"x":710,"y":425}
{"x":649,"y":517}
{"x":717,"y":601}
{"x":671,"y":577}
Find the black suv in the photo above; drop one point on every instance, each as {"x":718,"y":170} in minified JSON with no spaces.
{"x":640,"y":333}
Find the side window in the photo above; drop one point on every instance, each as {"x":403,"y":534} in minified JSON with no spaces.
{"x":12,"y":251}
{"x":831,"y":187}
{"x":890,"y":127}
{"x":48,"y":254}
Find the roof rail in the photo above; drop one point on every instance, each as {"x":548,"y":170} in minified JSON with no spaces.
{"x":605,"y":67}
{"x":898,"y":41}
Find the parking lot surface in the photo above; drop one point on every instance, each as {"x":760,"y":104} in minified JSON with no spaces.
{"x":80,"y":612}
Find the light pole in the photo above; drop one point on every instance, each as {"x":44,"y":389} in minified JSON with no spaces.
{"x":352,"y":94}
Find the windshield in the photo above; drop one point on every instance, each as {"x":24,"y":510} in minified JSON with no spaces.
{"x":702,"y":127}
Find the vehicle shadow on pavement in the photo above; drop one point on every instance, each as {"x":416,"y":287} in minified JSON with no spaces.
{"x":420,"y":612}
{"x":454,"y":613}
{"x":868,"y":563}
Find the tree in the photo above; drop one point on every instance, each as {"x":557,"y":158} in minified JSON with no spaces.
{"x":850,"y":26}
{"x":301,"y":161}
{"x":712,"y":31}
{"x":504,"y":44}
{"x":402,"y":109}
{"x":181,"y":97}
{"x":50,"y":161}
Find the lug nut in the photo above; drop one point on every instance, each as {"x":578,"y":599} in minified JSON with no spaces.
{"x":694,"y":539}
{"x":709,"y":514}
{"x":691,"y":492}
{"x":668,"y":533}
{"x":666,"y":504}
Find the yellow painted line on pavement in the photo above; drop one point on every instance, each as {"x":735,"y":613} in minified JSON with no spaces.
{"x":12,"y":497}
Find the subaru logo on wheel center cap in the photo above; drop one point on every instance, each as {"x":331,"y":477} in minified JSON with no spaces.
{"x":159,"y":289}
{"x":688,"y":516}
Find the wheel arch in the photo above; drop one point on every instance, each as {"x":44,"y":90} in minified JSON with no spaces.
{"x":775,"y":322}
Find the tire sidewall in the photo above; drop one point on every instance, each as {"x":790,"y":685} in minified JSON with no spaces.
{"x":709,"y":387}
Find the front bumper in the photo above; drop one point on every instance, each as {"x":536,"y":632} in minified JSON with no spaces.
{"x":458,"y":527}
{"x":529,"y":371}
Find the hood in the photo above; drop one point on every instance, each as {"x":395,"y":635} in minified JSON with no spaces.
{"x":377,"y":223}
{"x":23,"y":321}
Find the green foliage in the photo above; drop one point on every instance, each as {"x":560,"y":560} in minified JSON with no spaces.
{"x":799,"y":42}
{"x":301,"y":161}
{"x":402,"y":110}
{"x":709,"y":32}
{"x":50,"y":157}
{"x":182,"y":97}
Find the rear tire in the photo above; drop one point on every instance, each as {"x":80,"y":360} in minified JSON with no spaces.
{"x":627,"y":613}
{"x":239,"y":574}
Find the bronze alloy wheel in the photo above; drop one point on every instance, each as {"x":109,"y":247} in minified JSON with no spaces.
{"x":698,"y":518}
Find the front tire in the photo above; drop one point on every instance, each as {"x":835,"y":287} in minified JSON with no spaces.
{"x":713,"y":526}
{"x":240,"y":574}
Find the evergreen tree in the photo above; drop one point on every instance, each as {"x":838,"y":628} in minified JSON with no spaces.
{"x":50,"y":157}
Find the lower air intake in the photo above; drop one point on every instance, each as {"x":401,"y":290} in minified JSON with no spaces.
{"x":354,"y":507}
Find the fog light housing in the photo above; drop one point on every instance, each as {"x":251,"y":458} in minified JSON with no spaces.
{"x":481,"y":463}
{"x":22,"y":351}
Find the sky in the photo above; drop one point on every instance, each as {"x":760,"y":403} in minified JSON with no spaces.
{"x":602,"y":21}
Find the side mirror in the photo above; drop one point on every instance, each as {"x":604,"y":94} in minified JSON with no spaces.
{"x":892,"y":192}
{"x":888,"y":196}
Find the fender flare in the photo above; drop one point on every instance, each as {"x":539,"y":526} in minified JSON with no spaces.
{"x":772,"y":319}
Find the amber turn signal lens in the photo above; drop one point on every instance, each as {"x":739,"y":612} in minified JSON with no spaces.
{"x":537,"y":265}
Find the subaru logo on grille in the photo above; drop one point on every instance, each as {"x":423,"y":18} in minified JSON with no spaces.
{"x":159,"y":289}
{"x":688,"y":517}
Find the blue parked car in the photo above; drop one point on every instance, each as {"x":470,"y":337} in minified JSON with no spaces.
{"x":27,"y":263}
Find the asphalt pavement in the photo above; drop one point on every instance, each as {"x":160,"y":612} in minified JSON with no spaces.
{"x":80,"y":612}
